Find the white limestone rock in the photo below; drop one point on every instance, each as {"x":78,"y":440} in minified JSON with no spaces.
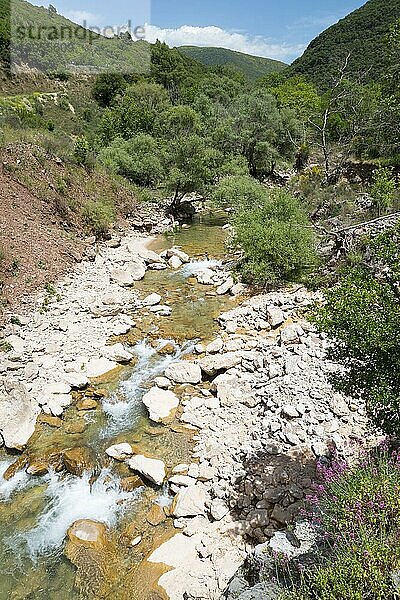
{"x":191,"y":502}
{"x":151,"y":468}
{"x":120,"y":451}
{"x":160,"y":403}
{"x":225,"y":287}
{"x":152,"y":300}
{"x":99,"y":366}
{"x":18,"y":414}
{"x":184,"y":372}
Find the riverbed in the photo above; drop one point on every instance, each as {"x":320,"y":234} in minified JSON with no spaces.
{"x":36,"y":511}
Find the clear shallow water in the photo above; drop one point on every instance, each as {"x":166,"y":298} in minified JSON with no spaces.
{"x":124,"y":408}
{"x":35,"y":512}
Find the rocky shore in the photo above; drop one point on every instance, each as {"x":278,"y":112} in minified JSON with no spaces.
{"x":257,"y":397}
{"x":265,"y":412}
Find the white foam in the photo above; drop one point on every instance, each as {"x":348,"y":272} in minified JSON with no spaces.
{"x":190,"y":269}
{"x":125,"y":407}
{"x":20,"y":481}
{"x":71,"y":498}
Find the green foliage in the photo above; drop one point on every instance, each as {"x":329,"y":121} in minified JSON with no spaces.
{"x":191,"y":165}
{"x":81,"y":150}
{"x":361,"y":317}
{"x":261,"y":132}
{"x":138,"y":159}
{"x":80,"y":47}
{"x":239,"y":192}
{"x":107,"y":86}
{"x":361,"y":34}
{"x":99,"y":215}
{"x":383,"y":189}
{"x":295,"y":93}
{"x":275,"y":240}
{"x":251,"y":66}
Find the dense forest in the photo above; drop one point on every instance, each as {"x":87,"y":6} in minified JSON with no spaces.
{"x":358,"y":35}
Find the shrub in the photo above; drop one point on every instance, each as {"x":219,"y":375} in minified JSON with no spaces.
{"x":361,"y":316}
{"x":277,"y":244}
{"x":81,"y":150}
{"x":239,"y":192}
{"x":358,"y":511}
{"x":138,"y":159}
{"x":99,"y":215}
{"x":383,"y":189}
{"x":107,"y":86}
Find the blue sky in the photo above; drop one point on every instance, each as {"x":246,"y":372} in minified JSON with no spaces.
{"x":263,"y":27}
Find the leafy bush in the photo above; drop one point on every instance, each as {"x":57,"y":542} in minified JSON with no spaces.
{"x":276,"y":242}
{"x":99,"y":215}
{"x":107,"y":86}
{"x":81,"y":150}
{"x":383,"y":189}
{"x":361,"y":316}
{"x":138,"y":159}
{"x":239,"y":192}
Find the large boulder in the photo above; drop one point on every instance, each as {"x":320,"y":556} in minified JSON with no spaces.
{"x":213,"y":364}
{"x":151,"y":468}
{"x":184,"y":372}
{"x":150,"y":257}
{"x":18,"y":414}
{"x":120,"y":451}
{"x":134,"y":271}
{"x":117,"y":353}
{"x":191,"y":501}
{"x":205,"y":276}
{"x":225,"y":287}
{"x":160,"y":403}
{"x":152,"y":300}
{"x":174,"y":251}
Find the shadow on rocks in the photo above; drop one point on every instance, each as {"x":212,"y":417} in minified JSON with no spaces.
{"x":266,"y":501}
{"x":269,"y":494}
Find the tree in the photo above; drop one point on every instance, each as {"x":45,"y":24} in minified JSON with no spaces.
{"x":277,"y":244}
{"x":178,"y":122}
{"x":191,"y":166}
{"x":239,"y":192}
{"x":361,"y":316}
{"x":261,"y":132}
{"x":138,"y":159}
{"x":107,"y":86}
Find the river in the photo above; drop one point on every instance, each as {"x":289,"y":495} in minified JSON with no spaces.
{"x":36,"y":511}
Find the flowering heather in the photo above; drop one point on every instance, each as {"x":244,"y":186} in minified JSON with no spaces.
{"x":357,"y":511}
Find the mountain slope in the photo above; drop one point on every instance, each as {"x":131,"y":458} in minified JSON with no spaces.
{"x":361,"y":33}
{"x":64,"y":45}
{"x":251,"y":66}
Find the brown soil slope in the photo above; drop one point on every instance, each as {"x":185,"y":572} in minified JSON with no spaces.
{"x":34,"y":248}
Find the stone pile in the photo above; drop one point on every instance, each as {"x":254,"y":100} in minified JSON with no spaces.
{"x":265,"y":411}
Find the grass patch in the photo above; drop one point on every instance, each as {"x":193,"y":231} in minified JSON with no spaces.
{"x":99,"y":215}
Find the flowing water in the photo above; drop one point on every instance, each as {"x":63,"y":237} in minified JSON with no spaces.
{"x":36,"y":512}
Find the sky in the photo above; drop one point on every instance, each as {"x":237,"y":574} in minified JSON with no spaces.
{"x":270,"y":28}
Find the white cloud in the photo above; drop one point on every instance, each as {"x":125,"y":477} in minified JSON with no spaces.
{"x":82,"y":16}
{"x":221,"y":38}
